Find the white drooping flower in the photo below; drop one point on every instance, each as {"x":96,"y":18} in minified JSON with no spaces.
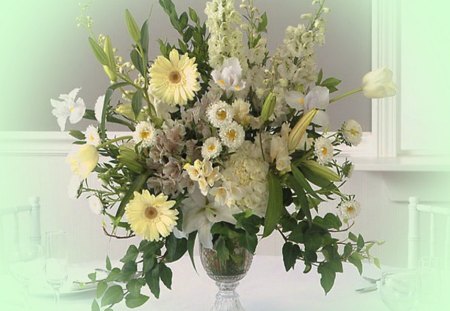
{"x":98,"y":109}
{"x":280,"y":154}
{"x":144,"y":133}
{"x":295,"y":100}
{"x":349,"y":210}
{"x":68,"y":107}
{"x":352,"y":132}
{"x":379,"y":84}
{"x":95,"y":205}
{"x":211,"y":148}
{"x":245,"y":179}
{"x":200,"y":216}
{"x":323,"y":149}
{"x":228,"y":77}
{"x":232,"y":135}
{"x":220,"y":114}
{"x":317,"y":98}
{"x":92,"y":136}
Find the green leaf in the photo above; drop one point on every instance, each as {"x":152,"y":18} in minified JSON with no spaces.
{"x":303,"y":182}
{"x":360,"y":243}
{"x":101,"y":288}
{"x":134,"y":286}
{"x":136,"y":59}
{"x":274,"y":206}
{"x":113,"y":295}
{"x":95,"y":306}
{"x":98,"y":52}
{"x":108,"y":263}
{"x":136,"y":103}
{"x":321,"y":170}
{"x":297,"y":234}
{"x":262,"y":26}
{"x":355,"y":259}
{"x":77,"y":134}
{"x":348,"y":248}
{"x":128,"y":271}
{"x":131,"y":254}
{"x":319,"y":77}
{"x":176,"y":248}
{"x":92,"y":276}
{"x":222,"y":251}
{"x":290,"y":253}
{"x":327,"y":276}
{"x":330,"y":221}
{"x":193,"y":15}
{"x":137,"y":185}
{"x":188,"y":34}
{"x":298,"y":189}
{"x":352,"y":237}
{"x":108,"y":49}
{"x":152,"y":280}
{"x":249,"y":241}
{"x":183,"y":20}
{"x":331,"y":82}
{"x":145,"y":38}
{"x":190,"y":247}
{"x":108,"y":95}
{"x":166,"y":275}
{"x":135,"y":300}
{"x":132,"y":26}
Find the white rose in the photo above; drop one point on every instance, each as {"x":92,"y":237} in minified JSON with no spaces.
{"x":379,"y":84}
{"x":83,"y":161}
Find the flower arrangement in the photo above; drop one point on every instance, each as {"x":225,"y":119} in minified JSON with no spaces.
{"x":227,"y":144}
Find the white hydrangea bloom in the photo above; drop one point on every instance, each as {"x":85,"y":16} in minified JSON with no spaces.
{"x":220,"y":114}
{"x":323,"y":149}
{"x":144,"y":133}
{"x":211,"y":148}
{"x":245,"y":178}
{"x":232,"y":135}
{"x":92,"y":136}
{"x":352,"y":132}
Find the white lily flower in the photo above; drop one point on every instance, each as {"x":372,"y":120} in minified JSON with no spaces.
{"x":199,"y":216}
{"x":379,"y":84}
{"x":295,"y":100}
{"x":229,"y":75}
{"x":318,"y":97}
{"x":68,"y":107}
{"x":99,"y":108}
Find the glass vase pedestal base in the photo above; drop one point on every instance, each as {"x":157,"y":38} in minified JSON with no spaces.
{"x":227,"y":299}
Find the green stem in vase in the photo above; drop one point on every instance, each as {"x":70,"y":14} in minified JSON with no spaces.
{"x":112,"y":141}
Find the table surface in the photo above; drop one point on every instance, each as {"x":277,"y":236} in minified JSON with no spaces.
{"x":266,"y":287}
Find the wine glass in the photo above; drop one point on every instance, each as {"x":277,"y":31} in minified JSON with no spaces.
{"x":56,"y":261}
{"x":398,"y":289}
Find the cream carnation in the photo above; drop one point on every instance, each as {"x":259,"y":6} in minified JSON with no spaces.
{"x":232,"y":135}
{"x":220,"y":114}
{"x":323,"y":149}
{"x":352,"y":132}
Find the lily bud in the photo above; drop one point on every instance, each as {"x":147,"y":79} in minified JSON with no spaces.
{"x":129,"y":158}
{"x":268,"y":107}
{"x":379,"y":84}
{"x":322,"y":171}
{"x":296,"y":134}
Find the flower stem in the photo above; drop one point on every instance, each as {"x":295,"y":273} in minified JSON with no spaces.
{"x":112,"y":141}
{"x":345,"y":95}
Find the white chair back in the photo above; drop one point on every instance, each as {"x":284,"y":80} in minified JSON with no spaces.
{"x":16,"y":221}
{"x":437,"y":214}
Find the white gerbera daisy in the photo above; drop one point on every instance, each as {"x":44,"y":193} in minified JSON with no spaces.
{"x":174,"y":80}
{"x":232,"y":135}
{"x":145,"y":133}
{"x":211,"y":148}
{"x":352,"y":132}
{"x":92,"y":136}
{"x":350,"y":210}
{"x":220,"y":114}
{"x":151,"y":216}
{"x":323,"y":149}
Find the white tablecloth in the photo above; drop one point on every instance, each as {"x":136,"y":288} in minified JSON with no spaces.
{"x":267,"y":287}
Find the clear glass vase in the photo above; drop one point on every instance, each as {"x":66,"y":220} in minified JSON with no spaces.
{"x":227,"y":275}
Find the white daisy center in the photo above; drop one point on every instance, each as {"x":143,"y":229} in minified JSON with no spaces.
{"x":211,"y":148}
{"x":354,"y":132}
{"x":221,"y":114}
{"x":231,"y":135}
{"x":324,"y":151}
{"x":175,"y":77}
{"x":145,"y":134}
{"x":151,"y":212}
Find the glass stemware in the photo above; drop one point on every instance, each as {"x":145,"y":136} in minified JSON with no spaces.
{"x":56,"y":261}
{"x":398,"y":289}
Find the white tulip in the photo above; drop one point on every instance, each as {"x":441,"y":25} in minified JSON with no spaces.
{"x":83,"y":161}
{"x":379,"y":84}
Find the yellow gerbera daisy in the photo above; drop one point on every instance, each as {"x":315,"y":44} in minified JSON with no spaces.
{"x":174,"y":80}
{"x":151,"y":216}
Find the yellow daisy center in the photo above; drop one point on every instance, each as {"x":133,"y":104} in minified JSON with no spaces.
{"x":354,"y":132}
{"x":211,"y":148}
{"x":145,"y":135}
{"x":231,"y":135}
{"x":175,"y":77}
{"x":324,"y":151}
{"x":151,"y":212}
{"x":221,"y":114}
